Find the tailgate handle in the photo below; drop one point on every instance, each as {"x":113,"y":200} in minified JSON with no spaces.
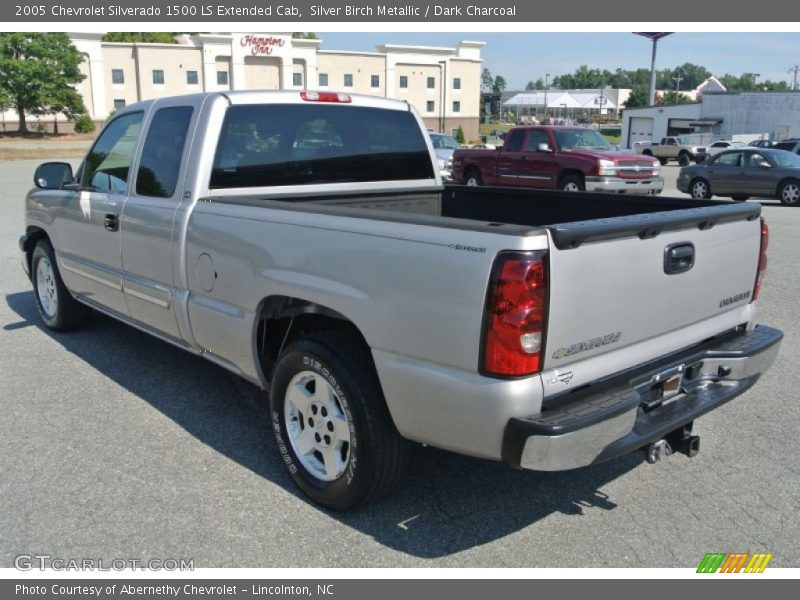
{"x":678,"y":258}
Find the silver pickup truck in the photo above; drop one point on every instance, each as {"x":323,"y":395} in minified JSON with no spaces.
{"x":304,"y":241}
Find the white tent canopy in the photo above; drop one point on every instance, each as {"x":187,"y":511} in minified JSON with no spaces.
{"x":558,"y":99}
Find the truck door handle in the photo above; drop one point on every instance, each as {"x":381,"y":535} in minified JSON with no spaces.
{"x":112,"y":221}
{"x":678,"y":258}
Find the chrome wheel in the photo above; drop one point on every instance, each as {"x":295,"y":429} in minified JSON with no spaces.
{"x":46,"y":287}
{"x":571,"y":187}
{"x":317,"y":425}
{"x":472,"y":181}
{"x":790,"y":193}
{"x":700,"y":190}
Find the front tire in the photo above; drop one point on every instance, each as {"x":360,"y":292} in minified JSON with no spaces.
{"x":56,"y":306}
{"x":572,"y":183}
{"x":331,"y":423}
{"x":700,"y":190}
{"x":473,"y":179}
{"x":740,"y":197}
{"x":789,"y":193}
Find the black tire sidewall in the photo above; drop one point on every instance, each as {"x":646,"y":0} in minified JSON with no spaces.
{"x":351,"y":486}
{"x":572,"y":179}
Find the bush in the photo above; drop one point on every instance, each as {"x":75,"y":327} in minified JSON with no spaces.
{"x":84,"y":124}
{"x":460,"y":138}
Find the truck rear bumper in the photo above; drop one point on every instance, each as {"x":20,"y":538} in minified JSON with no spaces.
{"x":651,"y":185}
{"x":609,"y":418}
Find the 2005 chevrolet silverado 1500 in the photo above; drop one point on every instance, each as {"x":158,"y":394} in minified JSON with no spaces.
{"x":304,"y":241}
{"x":558,"y":158}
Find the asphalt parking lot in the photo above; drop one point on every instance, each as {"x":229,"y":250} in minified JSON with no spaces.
{"x":116,"y":445}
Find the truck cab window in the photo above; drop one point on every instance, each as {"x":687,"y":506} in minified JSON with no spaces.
{"x":109,"y":161}
{"x":163,"y":149}
{"x":514,"y":141}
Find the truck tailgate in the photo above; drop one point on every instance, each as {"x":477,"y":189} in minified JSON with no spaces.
{"x":612,"y":287}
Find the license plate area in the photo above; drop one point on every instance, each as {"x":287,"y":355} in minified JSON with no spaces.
{"x":663,"y":388}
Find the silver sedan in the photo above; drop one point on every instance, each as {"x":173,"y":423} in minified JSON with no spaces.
{"x":745,"y":172}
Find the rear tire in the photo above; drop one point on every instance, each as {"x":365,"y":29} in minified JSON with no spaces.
{"x":700,"y":189}
{"x":572,"y":183}
{"x":473,"y":179}
{"x":56,"y":306}
{"x":331,"y":422}
{"x":663,"y":161}
{"x":684,"y":160}
{"x":789,"y":192}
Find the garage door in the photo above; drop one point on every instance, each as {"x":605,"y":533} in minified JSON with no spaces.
{"x":641,"y":130}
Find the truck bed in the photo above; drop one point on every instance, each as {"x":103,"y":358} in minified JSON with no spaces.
{"x":571,"y":217}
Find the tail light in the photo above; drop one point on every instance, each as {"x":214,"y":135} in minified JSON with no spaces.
{"x":516,"y":315}
{"x":325,"y":97}
{"x":762,"y":260}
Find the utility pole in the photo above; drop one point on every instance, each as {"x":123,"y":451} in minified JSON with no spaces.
{"x":793,"y":71}
{"x":677,"y":81}
{"x":546,"y":85}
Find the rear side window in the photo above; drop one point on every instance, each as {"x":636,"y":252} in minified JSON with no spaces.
{"x":785,"y":146}
{"x":514,"y":141}
{"x":160,"y":164}
{"x":275,"y":145}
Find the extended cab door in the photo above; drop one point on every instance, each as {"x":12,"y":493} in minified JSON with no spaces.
{"x":508,"y":163}
{"x":538,"y":168}
{"x":148,"y":251}
{"x":89,"y":222}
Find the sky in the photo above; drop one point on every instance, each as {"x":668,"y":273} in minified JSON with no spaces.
{"x":523,"y":57}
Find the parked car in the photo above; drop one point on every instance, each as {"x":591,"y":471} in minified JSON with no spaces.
{"x":742,"y":173}
{"x":443,"y":146}
{"x":678,"y":148}
{"x":790,"y":145}
{"x":763,"y":143}
{"x":376,"y":306}
{"x":558,"y":158}
{"x":721,"y":145}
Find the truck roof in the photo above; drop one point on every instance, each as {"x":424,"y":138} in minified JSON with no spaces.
{"x":242,"y":97}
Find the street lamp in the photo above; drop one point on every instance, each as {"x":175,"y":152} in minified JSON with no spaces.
{"x":654,"y":37}
{"x":546,"y":85}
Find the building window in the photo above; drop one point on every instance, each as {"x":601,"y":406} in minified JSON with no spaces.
{"x":348,"y":80}
{"x":323,"y":80}
{"x":119,"y":103}
{"x":158,"y":77}
{"x":431,"y":83}
{"x":456,"y":106}
{"x":191,"y":77}
{"x":457,"y":83}
{"x":117,"y":76}
{"x":297,"y":79}
{"x":430,"y":106}
{"x":403,"y":82}
{"x":375,"y":81}
{"x":222,"y":78}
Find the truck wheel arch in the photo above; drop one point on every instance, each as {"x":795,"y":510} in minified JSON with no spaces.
{"x":34,"y":236}
{"x":280,"y":320}
{"x":571,"y":174}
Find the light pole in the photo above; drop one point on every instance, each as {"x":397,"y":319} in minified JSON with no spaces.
{"x":546,"y":85}
{"x":677,"y":81}
{"x":654,"y":37}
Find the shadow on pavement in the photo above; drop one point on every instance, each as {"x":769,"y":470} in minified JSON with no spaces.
{"x":446,"y":504}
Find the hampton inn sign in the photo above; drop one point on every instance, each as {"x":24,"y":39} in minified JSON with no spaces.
{"x":261,"y":45}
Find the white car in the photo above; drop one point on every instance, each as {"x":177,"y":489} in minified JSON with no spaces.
{"x":721,"y":145}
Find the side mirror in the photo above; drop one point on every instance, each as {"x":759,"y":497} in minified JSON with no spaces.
{"x":764,"y":165}
{"x":543,"y":147}
{"x":52,"y":175}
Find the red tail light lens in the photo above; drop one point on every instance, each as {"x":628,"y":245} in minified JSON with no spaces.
{"x":325,"y":97}
{"x":516,"y":315}
{"x":762,"y":260}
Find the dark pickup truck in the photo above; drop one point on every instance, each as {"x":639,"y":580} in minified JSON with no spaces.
{"x":558,"y":158}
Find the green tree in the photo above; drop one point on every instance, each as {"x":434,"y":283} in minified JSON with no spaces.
{"x":672,"y":97}
{"x":535,"y":85}
{"x":460,"y":138}
{"x":37,"y":72}
{"x":150,"y":37}
{"x":638,"y":97}
{"x":530,"y":86}
{"x":63,"y":100}
{"x":487,"y":81}
{"x":499,"y":84}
